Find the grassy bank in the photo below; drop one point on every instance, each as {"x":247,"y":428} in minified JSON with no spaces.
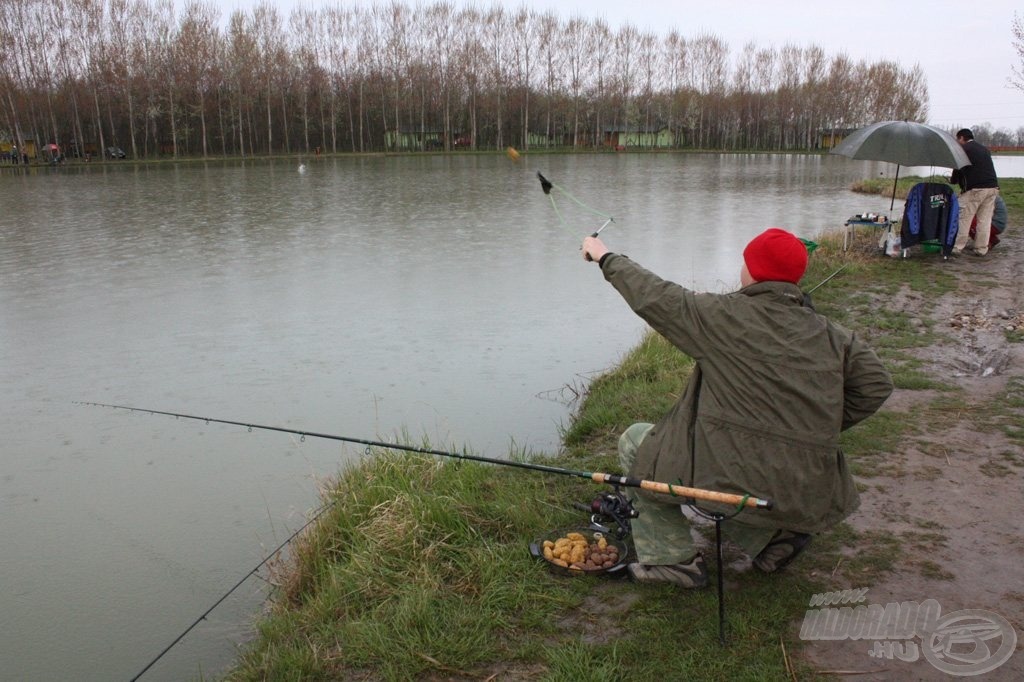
{"x":1009,"y":189}
{"x":420,"y":570}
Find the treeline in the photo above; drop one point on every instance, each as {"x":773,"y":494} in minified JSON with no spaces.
{"x":154,"y":79}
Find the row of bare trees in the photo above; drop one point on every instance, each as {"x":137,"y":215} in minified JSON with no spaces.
{"x":155,"y":79}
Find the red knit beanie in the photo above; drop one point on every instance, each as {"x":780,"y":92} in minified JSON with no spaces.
{"x":775,"y":255}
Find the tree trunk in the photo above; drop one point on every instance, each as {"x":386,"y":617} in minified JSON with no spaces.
{"x":305,"y":118}
{"x":472,"y":120}
{"x":270,"y":126}
{"x":174,"y":123}
{"x":220,"y":122}
{"x":361,"y":148}
{"x":284,"y":123}
{"x":99,"y":123}
{"x":202,"y":122}
{"x":131,"y":126}
{"x":241,"y":135}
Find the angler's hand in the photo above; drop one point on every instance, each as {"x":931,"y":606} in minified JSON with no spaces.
{"x":593,"y":249}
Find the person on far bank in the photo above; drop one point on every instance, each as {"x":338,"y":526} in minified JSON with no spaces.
{"x":773,"y":386}
{"x":979,"y":188}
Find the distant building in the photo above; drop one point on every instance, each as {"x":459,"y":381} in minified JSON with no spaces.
{"x":416,"y":139}
{"x":644,"y":137}
{"x":827,"y":139}
{"x":8,"y":147}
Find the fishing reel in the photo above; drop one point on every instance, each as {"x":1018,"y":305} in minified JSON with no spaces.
{"x":610,"y":512}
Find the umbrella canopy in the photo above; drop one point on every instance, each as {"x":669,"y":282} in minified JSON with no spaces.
{"x":904,"y":143}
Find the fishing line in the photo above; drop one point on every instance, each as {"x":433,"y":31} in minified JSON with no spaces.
{"x":217,"y":603}
{"x":686,"y":494}
{"x":547,"y":186}
{"x":596,"y":476}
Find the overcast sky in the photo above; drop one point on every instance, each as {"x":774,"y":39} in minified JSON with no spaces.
{"x":965,"y":49}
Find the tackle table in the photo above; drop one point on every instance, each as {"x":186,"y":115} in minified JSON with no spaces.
{"x":879,"y":222}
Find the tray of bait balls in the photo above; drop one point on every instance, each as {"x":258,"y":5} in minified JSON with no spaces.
{"x":582,"y":551}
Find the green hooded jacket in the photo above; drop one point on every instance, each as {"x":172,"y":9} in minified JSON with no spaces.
{"x":774,"y":385}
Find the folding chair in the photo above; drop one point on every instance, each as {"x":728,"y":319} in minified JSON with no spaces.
{"x":931,"y":217}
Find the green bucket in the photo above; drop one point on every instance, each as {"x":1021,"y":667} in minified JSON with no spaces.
{"x":811,"y":246}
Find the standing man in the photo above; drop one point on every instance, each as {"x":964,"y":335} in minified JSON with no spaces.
{"x":774,"y":385}
{"x":979,"y":188}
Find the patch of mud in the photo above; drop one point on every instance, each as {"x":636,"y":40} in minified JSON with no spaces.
{"x":594,"y":622}
{"x":952,"y":496}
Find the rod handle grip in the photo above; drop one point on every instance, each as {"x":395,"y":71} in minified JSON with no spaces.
{"x":684,"y":491}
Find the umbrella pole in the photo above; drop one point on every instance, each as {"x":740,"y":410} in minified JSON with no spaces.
{"x":893,"y":200}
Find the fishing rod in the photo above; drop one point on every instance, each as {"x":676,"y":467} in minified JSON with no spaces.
{"x":843,"y":267}
{"x":739,"y":501}
{"x":224,"y":596}
{"x":807,"y":294}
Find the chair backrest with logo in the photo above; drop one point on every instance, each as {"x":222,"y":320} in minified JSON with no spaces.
{"x":931,"y":214}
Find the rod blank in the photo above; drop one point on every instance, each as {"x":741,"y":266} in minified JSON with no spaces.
{"x":655,"y":486}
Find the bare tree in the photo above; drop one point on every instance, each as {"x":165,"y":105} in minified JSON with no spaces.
{"x":372,"y":61}
{"x":813,"y":95}
{"x":522,"y":49}
{"x":676,"y":64}
{"x":122,"y":66}
{"x":340,"y":24}
{"x":837,"y":86}
{"x":601,"y":40}
{"x":895,"y":94}
{"x":744,"y":123}
{"x":89,"y":19}
{"x":268,"y":32}
{"x":304,"y":25}
{"x":197,"y":49}
{"x":495,"y":36}
{"x":766,"y":110}
{"x":134,"y":70}
{"x":910,"y":98}
{"x":626,"y":46}
{"x":242,"y":55}
{"x":708,"y":78}
{"x":579,"y":44}
{"x":551,"y":56}
{"x":472,"y":62}
{"x":396,"y":27}
{"x":1017,"y":29}
{"x":441,"y":25}
{"x":165,"y":30}
{"x":649,"y":71}
{"x":15,"y":75}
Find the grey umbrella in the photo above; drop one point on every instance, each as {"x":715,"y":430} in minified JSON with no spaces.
{"x":904,"y":143}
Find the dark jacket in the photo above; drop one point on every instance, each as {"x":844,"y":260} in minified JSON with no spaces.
{"x":774,"y":385}
{"x":981,"y":174}
{"x":931,"y":212}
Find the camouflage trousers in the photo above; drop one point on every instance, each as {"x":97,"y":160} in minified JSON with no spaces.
{"x":661,"y":534}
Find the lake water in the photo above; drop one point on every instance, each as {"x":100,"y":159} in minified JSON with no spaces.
{"x":435,"y":296}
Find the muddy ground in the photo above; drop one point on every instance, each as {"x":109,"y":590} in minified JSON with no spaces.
{"x":948,"y":503}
